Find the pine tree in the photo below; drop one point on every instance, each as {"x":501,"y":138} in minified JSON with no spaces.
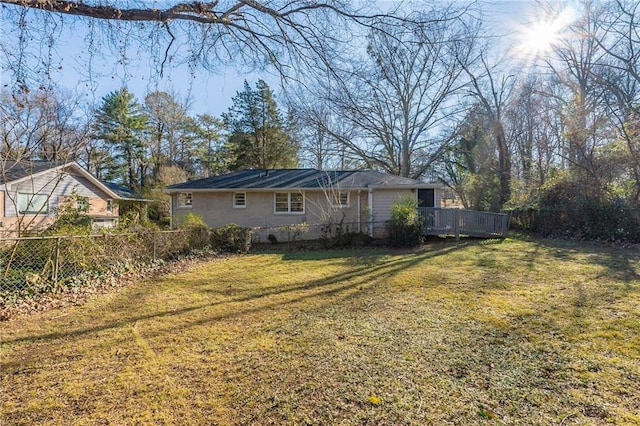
{"x":258,"y":138}
{"x":120,"y":122}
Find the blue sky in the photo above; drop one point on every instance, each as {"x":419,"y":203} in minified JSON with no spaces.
{"x":209,"y":92}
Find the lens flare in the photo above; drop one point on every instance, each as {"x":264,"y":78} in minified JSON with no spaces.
{"x":539,"y":37}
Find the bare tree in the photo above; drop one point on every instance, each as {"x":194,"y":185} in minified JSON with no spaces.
{"x":257,"y":34}
{"x":617,"y":33}
{"x":45,"y":124}
{"x":37,"y":127}
{"x":492,"y":87}
{"x":535,"y":130}
{"x":320,"y":131}
{"x":401,"y":94}
{"x":579,"y":96}
{"x":169,"y":123}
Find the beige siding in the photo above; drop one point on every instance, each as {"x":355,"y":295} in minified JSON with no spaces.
{"x":97,"y":205}
{"x":216,"y":208}
{"x":383,"y":199}
{"x":55,"y":185}
{"x":59,"y":188}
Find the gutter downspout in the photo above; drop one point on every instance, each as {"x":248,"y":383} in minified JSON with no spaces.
{"x":371,"y":212}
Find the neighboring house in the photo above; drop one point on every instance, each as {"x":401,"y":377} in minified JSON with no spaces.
{"x":32,"y":192}
{"x":271,"y":198}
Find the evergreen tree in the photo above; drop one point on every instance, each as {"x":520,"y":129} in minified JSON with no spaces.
{"x":258,"y":138}
{"x":209,"y":145}
{"x":120,"y":122}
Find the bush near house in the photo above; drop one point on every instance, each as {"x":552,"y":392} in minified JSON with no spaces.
{"x":231,"y":238}
{"x":405,"y":229}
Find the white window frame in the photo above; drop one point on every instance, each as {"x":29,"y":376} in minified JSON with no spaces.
{"x":109,"y":205}
{"x":236,"y":205}
{"x":185,"y":200}
{"x":289,"y":211}
{"x":31,"y":208}
{"x":335,"y":199}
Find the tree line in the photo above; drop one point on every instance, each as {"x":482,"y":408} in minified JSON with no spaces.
{"x":150,"y":143}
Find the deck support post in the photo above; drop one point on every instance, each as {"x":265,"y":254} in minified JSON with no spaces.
{"x":456,"y":223}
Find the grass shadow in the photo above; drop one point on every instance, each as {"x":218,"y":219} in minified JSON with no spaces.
{"x":322,"y":287}
{"x":620,"y":263}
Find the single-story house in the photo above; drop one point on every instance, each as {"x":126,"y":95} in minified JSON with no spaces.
{"x":32,"y":192}
{"x":272,"y":198}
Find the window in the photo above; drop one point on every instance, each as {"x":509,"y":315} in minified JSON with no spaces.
{"x":109,"y":206}
{"x":289,"y":202}
{"x":33,"y":203}
{"x":340,"y":199}
{"x":239,"y":200}
{"x":185,"y":200}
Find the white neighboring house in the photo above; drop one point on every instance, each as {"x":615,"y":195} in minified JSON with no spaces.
{"x":271,"y":198}
{"x":31,"y":192}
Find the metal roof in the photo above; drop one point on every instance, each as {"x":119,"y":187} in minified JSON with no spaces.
{"x":122,"y":192}
{"x":298,"y":179}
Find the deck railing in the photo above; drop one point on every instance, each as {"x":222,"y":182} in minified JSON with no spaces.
{"x":456,"y":222}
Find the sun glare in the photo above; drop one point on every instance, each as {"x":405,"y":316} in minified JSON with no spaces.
{"x":539,"y":37}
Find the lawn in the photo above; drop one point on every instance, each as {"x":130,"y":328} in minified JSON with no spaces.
{"x":477,"y":332}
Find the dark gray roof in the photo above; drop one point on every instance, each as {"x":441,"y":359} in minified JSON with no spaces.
{"x":122,"y":191}
{"x":14,"y":170}
{"x":296,"y":178}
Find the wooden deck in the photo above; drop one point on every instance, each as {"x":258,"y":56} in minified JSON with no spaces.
{"x":456,"y":222}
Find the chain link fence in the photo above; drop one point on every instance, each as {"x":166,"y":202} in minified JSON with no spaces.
{"x":31,"y":266}
{"x":35,"y":265}
{"x":335,"y":233}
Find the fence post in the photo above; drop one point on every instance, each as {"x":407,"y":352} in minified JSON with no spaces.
{"x":154,"y":246}
{"x":56,"y":263}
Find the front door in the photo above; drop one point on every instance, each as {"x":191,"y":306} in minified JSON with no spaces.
{"x":426,"y":197}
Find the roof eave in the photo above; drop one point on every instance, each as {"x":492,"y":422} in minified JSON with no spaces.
{"x":62,"y":168}
{"x":335,"y":187}
{"x":409,"y":186}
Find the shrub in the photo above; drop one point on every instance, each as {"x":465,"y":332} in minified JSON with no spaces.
{"x":570,"y":207}
{"x":190,"y":221}
{"x":197,"y":231}
{"x":232,"y":238}
{"x":404,"y":229}
{"x":336,"y":234}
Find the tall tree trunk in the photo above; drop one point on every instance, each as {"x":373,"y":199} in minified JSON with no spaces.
{"x":504,"y":162}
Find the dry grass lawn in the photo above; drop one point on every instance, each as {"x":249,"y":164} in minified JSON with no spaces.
{"x":496,"y":332}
